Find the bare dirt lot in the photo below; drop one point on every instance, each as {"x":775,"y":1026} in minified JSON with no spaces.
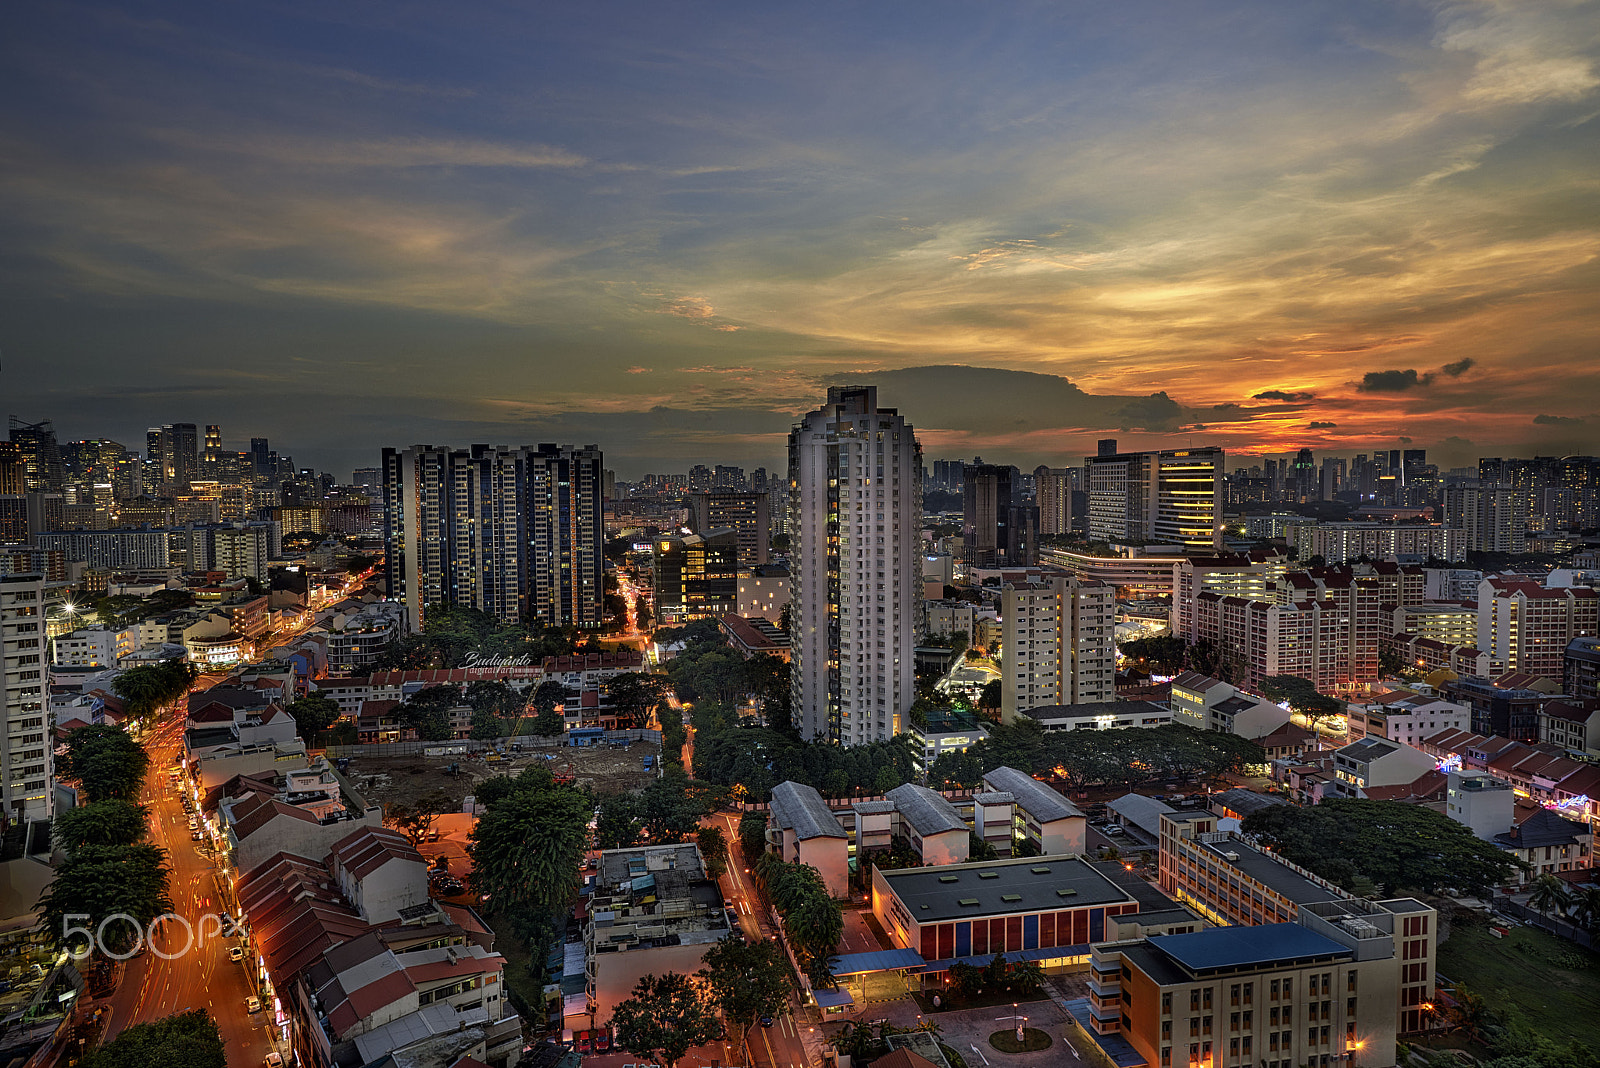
{"x":405,"y":780}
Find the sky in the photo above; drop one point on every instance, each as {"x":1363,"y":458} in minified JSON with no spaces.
{"x":666,"y":228}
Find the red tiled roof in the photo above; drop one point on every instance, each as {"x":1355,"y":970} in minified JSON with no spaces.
{"x":255,"y":812}
{"x":369,"y":849}
{"x":594,"y":661}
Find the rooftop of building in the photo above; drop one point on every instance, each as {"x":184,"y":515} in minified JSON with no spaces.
{"x":928,"y":813}
{"x":1543,"y":828}
{"x":1001,"y":887}
{"x":1234,"y":852}
{"x":1244,"y":802}
{"x":1038,"y":800}
{"x":1096,"y":710}
{"x":799,"y":808}
{"x":1179,"y":958}
{"x":619,"y":866}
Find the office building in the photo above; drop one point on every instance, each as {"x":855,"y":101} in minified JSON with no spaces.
{"x":1173,"y":497}
{"x":997,"y":529}
{"x":1052,"y":489}
{"x":746,"y":513}
{"x":763,"y":593}
{"x":43,"y":471}
{"x":855,"y":520}
{"x":1304,"y":478}
{"x":515,"y":532}
{"x":696,"y":576}
{"x":1058,"y":641}
{"x":27,"y":763}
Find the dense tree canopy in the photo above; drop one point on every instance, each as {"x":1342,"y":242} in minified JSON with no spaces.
{"x":666,"y":1016}
{"x":747,"y":980}
{"x":148,"y":687}
{"x":452,"y":633}
{"x":1129,"y":757}
{"x":813,"y":923}
{"x":313,"y":714}
{"x":527,"y":848}
{"x":428,"y":711}
{"x":110,"y":822}
{"x":758,"y":758}
{"x":1399,"y":847}
{"x":190,"y":1039}
{"x":105,"y":761}
{"x":98,"y":881}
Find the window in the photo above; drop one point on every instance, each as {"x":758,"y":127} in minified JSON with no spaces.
{"x":1166,"y":1002}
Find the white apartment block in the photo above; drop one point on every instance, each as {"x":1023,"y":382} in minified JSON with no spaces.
{"x":1528,"y":627}
{"x":855,"y":518}
{"x":1057,"y":644}
{"x":95,"y":647}
{"x":27,"y":762}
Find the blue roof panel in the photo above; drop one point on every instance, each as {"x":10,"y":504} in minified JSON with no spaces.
{"x":880,"y":960}
{"x":1228,"y":947}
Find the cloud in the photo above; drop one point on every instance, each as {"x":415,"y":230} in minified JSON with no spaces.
{"x":1392,"y":381}
{"x":1321,"y":426}
{"x":638,"y":370}
{"x":1403,"y":440}
{"x":1560,"y":420}
{"x":1284,"y":395}
{"x":1459,"y":368}
{"x":1155,"y":412}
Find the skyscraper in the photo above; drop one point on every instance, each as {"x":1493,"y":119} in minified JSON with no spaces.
{"x":185,"y":453}
{"x":41,"y":455}
{"x":26,"y":755}
{"x":515,"y":532}
{"x":855,"y":515}
{"x":997,"y":529}
{"x":1306,"y":484}
{"x":1053,"y":488}
{"x":746,"y":513}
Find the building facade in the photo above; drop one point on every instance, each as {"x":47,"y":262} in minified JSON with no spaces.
{"x":855,"y":516}
{"x":1058,"y":641}
{"x":27,"y":762}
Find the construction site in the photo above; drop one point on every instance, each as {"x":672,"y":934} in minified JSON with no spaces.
{"x":414,"y":779}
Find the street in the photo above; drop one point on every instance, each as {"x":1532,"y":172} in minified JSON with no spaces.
{"x":202,"y":976}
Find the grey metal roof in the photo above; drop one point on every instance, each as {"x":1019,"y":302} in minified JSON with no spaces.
{"x":1271,"y":874}
{"x":799,"y":808}
{"x":993,"y":797}
{"x":873,"y":808}
{"x":926,"y":811}
{"x":1036,"y":884}
{"x":1245,"y":802}
{"x":1041,"y":802}
{"x":1141,"y":811}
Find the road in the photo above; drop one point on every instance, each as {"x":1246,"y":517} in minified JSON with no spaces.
{"x":778,"y":1046}
{"x":202,"y":977}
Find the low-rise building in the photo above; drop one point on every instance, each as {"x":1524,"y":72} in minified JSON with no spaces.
{"x":1374,"y":762}
{"x":653,"y":911}
{"x":1209,"y":704}
{"x":1573,"y":724}
{"x":942,"y":737}
{"x":764,"y":592}
{"x":1038,"y":814}
{"x":1046,"y":908}
{"x":1484,"y":804}
{"x":95,"y":647}
{"x":1103,"y":715}
{"x":1548,"y":844}
{"x":1406,"y":718}
{"x":931,"y":824}
{"x":801,"y":828}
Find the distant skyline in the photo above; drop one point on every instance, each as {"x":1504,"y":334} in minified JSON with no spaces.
{"x":665,"y":230}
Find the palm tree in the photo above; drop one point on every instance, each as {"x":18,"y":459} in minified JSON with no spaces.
{"x":1587,"y":908}
{"x":1548,"y":893}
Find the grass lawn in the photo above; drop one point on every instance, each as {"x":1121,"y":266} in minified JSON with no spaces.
{"x":1033,"y":1040}
{"x":1552,"y":983}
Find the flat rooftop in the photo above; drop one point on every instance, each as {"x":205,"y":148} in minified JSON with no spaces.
{"x":1002,"y":888}
{"x":1243,"y":947}
{"x":1271,"y":874}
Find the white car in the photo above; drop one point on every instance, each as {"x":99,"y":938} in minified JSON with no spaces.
{"x":235,"y":953}
{"x":252,"y":1004}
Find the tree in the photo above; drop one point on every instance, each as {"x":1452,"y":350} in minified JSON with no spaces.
{"x":747,"y":980}
{"x":617,"y":824}
{"x":99,"y":881}
{"x":527,"y":847}
{"x":188,"y":1038}
{"x":313,"y":714}
{"x":486,"y":727}
{"x":428,"y":711}
{"x":666,"y":1016}
{"x":417,"y":820}
{"x":1160,"y":652}
{"x":494,"y":697}
{"x":1586,"y":908}
{"x":989,"y":698}
{"x":672,"y":806}
{"x":636,"y":694}
{"x":103,"y":823}
{"x":1396,"y":845}
{"x":546,"y":720}
{"x":978,"y":849}
{"x":812,"y":920}
{"x":713,"y":845}
{"x":752,"y":835}
{"x":105,"y":761}
{"x":1548,"y":893}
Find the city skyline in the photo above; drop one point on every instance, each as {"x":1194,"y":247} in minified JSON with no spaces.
{"x":1342,"y":227}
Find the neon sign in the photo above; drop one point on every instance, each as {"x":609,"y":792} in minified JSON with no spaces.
{"x":1449,"y":763}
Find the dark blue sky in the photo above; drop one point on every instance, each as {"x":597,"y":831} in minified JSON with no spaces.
{"x":665,"y":228}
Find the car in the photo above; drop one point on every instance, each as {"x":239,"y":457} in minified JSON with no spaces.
{"x":235,"y":953}
{"x":730,"y":903}
{"x":766,"y":1021}
{"x":602,"y":1041}
{"x":252,"y":1004}
{"x":274,"y":1059}
{"x":195,"y":836}
{"x":1112,"y":830}
{"x":585,"y":1045}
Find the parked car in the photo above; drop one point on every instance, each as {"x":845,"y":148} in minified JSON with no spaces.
{"x":1112,"y":831}
{"x":766,"y":1021}
{"x":235,"y":953}
{"x":252,"y":1004}
{"x":602,"y":1041}
{"x":585,"y":1044}
{"x":274,"y":1059}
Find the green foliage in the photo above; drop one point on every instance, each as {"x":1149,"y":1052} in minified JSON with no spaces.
{"x":486,"y":727}
{"x":1397,"y":846}
{"x":450,"y":633}
{"x":428,"y":711}
{"x":665,"y":1017}
{"x":1162,"y":653}
{"x":978,"y":849}
{"x":344,"y":732}
{"x":759,"y":758}
{"x":636,"y":695}
{"x":190,"y":1039}
{"x":313,"y":714}
{"x":103,"y":823}
{"x":618,"y":825}
{"x":752,"y":835}
{"x":105,"y":761}
{"x":812,"y":920}
{"x":148,"y":687}
{"x":713,"y":843}
{"x":991,"y":696}
{"x":526,"y":849}
{"x":547,"y":720}
{"x":1123,"y":758}
{"x":747,"y":981}
{"x":416,"y":820}
{"x":98,"y":881}
{"x":494,"y":697}
{"x":672,"y":805}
